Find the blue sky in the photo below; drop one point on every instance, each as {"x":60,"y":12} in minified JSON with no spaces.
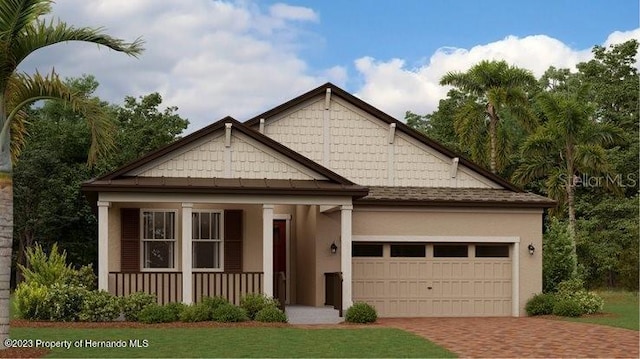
{"x":214,"y":58}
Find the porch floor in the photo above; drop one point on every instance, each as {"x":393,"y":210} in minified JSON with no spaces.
{"x":301,"y":314}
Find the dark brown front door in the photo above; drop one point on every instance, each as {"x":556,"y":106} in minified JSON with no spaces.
{"x":280,"y":246}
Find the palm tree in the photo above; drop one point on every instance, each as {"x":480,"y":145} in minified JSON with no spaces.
{"x":493,"y":87}
{"x":568,"y":145}
{"x":22,"y":32}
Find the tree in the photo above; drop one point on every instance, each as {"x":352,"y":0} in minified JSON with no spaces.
{"x":22,"y":31}
{"x":494,"y":88}
{"x":569,"y":144}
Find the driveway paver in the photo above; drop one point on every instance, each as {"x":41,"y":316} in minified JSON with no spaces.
{"x":522,"y":337}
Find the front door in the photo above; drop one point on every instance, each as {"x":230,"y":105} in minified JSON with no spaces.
{"x":280,"y":259}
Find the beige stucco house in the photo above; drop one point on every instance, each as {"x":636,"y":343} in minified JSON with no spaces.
{"x":321,"y":200}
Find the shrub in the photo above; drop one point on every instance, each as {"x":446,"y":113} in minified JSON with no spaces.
{"x":557,"y":257}
{"x":46,"y":269}
{"x":540,"y":304}
{"x":176,"y":308}
{"x":30,"y":301}
{"x":214,"y":302}
{"x":134,"y":303}
{"x":82,"y":277}
{"x":271,"y":315}
{"x":253,"y":303}
{"x":195,"y":313}
{"x":229,"y":313}
{"x":99,"y":306}
{"x":361,"y":313}
{"x":567,"y":308}
{"x":65,"y":301}
{"x":155,"y":313}
{"x":572,"y":290}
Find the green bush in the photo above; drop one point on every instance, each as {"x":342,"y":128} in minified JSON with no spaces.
{"x":155,"y":313}
{"x":229,"y":313}
{"x":82,"y":277}
{"x":65,"y":302}
{"x":195,"y":313}
{"x":271,"y":315}
{"x":557,"y":257}
{"x":540,"y":304}
{"x":567,"y":308}
{"x":573,"y":290}
{"x":176,"y":308}
{"x":30,"y":301}
{"x":46,"y":269}
{"x":214,"y":302}
{"x":99,"y":306}
{"x":253,"y":303}
{"x":361,"y":313}
{"x":134,"y":303}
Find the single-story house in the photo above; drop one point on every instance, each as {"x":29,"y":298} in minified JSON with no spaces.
{"x":321,"y":200}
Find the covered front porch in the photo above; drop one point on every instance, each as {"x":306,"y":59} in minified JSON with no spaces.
{"x":183,"y":247}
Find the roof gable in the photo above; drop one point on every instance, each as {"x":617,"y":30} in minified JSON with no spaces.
{"x":208,"y":153}
{"x":463,"y":173}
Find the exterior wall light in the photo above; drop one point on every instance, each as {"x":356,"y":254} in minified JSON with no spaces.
{"x":531,"y":248}
{"x":334,"y":248}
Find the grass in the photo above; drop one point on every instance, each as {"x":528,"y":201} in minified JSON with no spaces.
{"x":620,"y":310}
{"x":242,"y":342}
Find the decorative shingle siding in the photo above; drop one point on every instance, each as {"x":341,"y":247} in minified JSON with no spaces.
{"x":249,"y":160}
{"x":205,"y":160}
{"x":359,"y":146}
{"x":301,"y":130}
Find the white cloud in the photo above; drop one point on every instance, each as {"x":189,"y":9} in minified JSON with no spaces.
{"x":395,"y":88}
{"x":288,"y":12}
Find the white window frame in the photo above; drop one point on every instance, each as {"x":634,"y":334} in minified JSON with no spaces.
{"x":219,"y":240}
{"x":143,"y":240}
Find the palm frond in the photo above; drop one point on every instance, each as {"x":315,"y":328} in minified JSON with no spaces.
{"x":18,"y":134}
{"x":16,"y":15}
{"x":23,"y":90}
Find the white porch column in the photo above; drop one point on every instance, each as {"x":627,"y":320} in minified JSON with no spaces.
{"x":345,"y":254}
{"x":103,"y":245}
{"x":187,"y":290}
{"x":267,"y":249}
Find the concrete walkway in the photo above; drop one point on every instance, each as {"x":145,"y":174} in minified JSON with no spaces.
{"x":522,"y":337}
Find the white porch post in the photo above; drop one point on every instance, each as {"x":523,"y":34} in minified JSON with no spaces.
{"x":187,"y":291}
{"x":103,"y":245}
{"x":267,"y":249}
{"x":345,"y":254}
{"x":515,"y":280}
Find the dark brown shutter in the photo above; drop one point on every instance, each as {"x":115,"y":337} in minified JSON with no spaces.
{"x":130,"y":239}
{"x":233,"y":240}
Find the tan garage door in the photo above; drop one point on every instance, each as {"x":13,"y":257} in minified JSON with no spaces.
{"x":407,"y":280}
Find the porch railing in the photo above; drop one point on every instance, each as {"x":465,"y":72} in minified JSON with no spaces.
{"x":232,"y":286}
{"x":167,"y":286}
{"x":333,"y":290}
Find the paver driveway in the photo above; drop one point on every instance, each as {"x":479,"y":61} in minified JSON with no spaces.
{"x":522,"y":337}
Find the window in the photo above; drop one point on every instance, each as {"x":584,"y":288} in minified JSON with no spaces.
{"x":408,"y":250}
{"x":366,"y":250}
{"x":450,"y":250}
{"x":207,"y":240}
{"x":492,"y":251}
{"x":158,"y":239}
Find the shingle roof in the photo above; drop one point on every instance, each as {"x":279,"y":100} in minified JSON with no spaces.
{"x":439,"y":196}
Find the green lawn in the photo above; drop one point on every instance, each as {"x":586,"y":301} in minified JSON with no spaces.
{"x":242,"y":342}
{"x":620,"y":310}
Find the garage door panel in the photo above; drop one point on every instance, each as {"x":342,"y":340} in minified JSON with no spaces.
{"x":399,"y":286}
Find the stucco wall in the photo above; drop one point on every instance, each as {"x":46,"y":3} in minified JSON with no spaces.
{"x":306,"y":254}
{"x":525,"y":224}
{"x":327,"y":232}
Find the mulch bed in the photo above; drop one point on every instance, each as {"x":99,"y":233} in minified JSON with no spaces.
{"x":23,"y":353}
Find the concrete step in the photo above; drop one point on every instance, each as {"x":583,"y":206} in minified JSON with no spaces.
{"x":300,"y":314}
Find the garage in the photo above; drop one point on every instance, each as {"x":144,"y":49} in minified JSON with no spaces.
{"x":434,"y":279}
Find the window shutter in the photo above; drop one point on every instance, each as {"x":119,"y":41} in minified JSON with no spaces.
{"x":233,"y":240}
{"x":130,"y":239}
